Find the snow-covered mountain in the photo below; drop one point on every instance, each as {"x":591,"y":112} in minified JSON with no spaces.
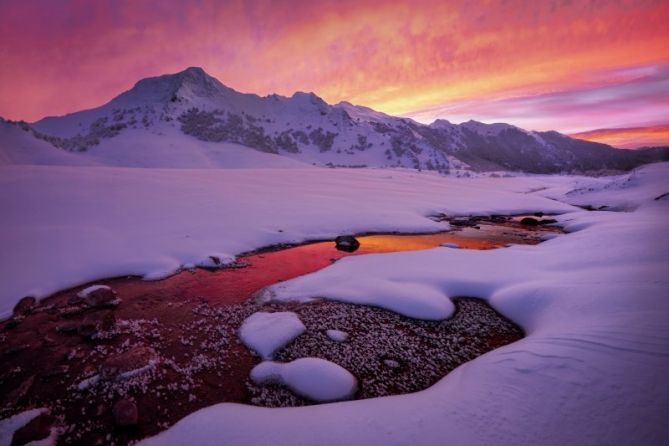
{"x":190,"y":119}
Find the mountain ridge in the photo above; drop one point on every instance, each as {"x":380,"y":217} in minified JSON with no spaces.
{"x":306,"y":128}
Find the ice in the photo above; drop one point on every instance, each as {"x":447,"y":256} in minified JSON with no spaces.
{"x":337,"y":335}
{"x":266,"y":333}
{"x":312,"y":378}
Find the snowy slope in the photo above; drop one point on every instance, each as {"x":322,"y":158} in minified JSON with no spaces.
{"x":305,"y":128}
{"x":594,"y":302}
{"x":19,"y":147}
{"x":591,"y":371}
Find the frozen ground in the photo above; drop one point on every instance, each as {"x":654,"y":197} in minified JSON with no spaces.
{"x":64,"y":226}
{"x":594,"y":303}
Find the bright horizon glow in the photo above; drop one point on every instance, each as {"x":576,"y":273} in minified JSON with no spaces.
{"x":571,"y":67}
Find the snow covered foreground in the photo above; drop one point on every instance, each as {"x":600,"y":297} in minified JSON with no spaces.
{"x":62,"y":226}
{"x":594,"y":303}
{"x":592,"y":370}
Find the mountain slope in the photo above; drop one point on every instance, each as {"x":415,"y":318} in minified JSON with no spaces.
{"x":160,"y":111}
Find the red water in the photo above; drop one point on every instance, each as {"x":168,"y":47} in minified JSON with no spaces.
{"x":233,"y":285}
{"x":34,"y":348}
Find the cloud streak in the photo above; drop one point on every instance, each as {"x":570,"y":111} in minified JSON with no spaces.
{"x":401,"y":57}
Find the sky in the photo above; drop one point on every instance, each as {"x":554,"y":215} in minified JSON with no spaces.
{"x":569,"y":65}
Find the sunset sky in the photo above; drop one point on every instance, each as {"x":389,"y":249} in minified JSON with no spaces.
{"x":573,"y":66}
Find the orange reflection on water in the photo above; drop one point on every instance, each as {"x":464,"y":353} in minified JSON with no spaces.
{"x":262,"y":269}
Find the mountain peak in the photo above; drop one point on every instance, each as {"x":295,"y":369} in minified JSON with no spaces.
{"x":187,"y":84}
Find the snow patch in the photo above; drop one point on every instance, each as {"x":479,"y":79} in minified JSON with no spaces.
{"x":313,"y":378}
{"x":265,"y":333}
{"x":10,"y":425}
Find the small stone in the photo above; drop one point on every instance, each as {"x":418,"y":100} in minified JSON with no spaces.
{"x":125,"y":412}
{"x":134,"y":359}
{"x":391,"y":363}
{"x":347,"y":243}
{"x":529,"y":221}
{"x":25,"y":306}
{"x":67,"y":328}
{"x":94,"y":323}
{"x":102,"y":297}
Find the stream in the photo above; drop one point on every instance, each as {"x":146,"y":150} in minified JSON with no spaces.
{"x":170,"y":347}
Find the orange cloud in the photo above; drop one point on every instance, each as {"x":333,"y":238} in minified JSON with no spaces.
{"x":398,"y":57}
{"x":629,"y":138}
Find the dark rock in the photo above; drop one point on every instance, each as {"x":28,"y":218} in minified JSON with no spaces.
{"x":529,"y":221}
{"x":547,"y":221}
{"x":37,"y":429}
{"x":216,"y":260}
{"x":125,"y":412}
{"x":133,"y":359}
{"x":67,"y":328}
{"x":25,"y":306}
{"x":102,"y":297}
{"x":462,"y":221}
{"x":70,"y":311}
{"x":94,"y":323}
{"x":16,"y":349}
{"x":16,"y":395}
{"x":539,"y":214}
{"x":56,"y":372}
{"x":347,"y":243}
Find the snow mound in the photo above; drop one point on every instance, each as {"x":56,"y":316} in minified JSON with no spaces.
{"x":409,"y":297}
{"x":337,"y":335}
{"x":265,"y":333}
{"x":313,"y":378}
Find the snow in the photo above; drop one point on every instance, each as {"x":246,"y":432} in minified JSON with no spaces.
{"x":313,"y":378}
{"x":10,"y":425}
{"x":337,"y":335}
{"x":265,"y":333}
{"x":18,"y":147}
{"x":88,"y":382}
{"x":88,"y":290}
{"x":410,"y":298}
{"x":114,"y":222}
{"x":591,"y":371}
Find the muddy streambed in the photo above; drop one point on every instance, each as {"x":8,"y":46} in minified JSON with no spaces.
{"x":118,"y":372}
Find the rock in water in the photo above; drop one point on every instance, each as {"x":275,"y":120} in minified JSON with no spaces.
{"x":529,"y":221}
{"x":347,"y":243}
{"x":548,"y":221}
{"x":125,"y":412}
